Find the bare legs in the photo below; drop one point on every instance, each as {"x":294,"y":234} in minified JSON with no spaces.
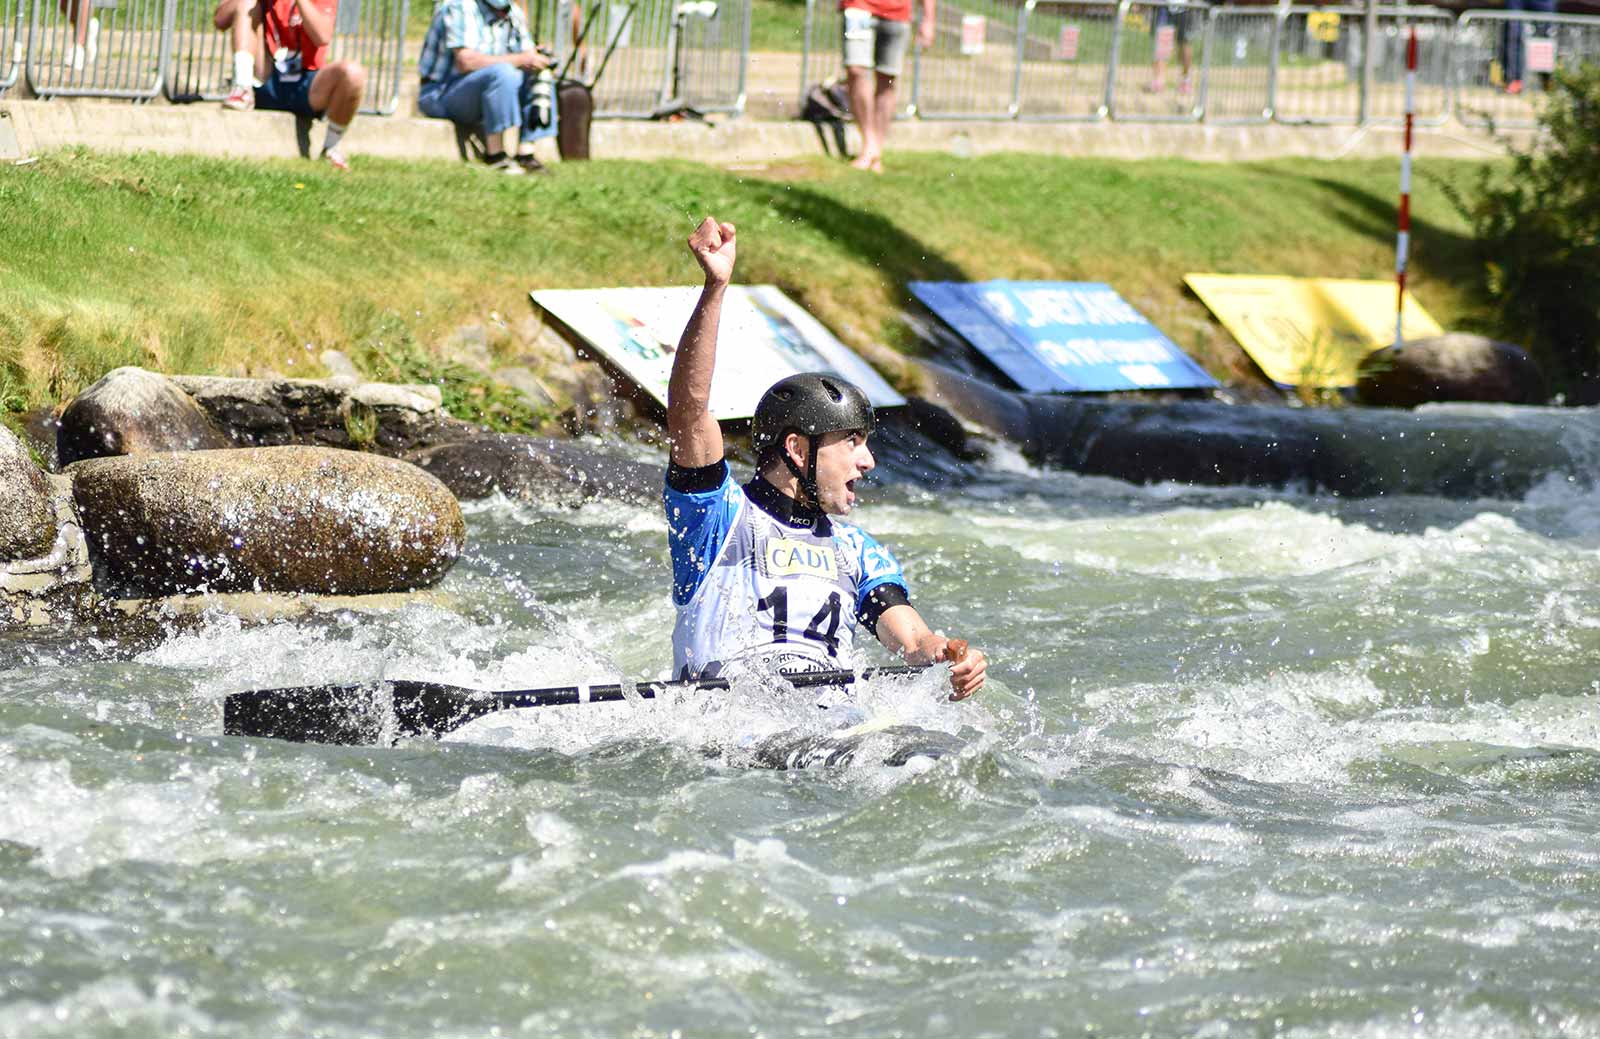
{"x":337,"y":90}
{"x":244,"y":20}
{"x":872,"y":100}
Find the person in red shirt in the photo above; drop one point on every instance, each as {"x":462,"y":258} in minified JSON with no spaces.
{"x":876,"y":33}
{"x":280,"y":63}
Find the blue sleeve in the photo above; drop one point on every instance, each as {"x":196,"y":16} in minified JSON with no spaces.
{"x":455,"y":28}
{"x":878,"y":567}
{"x":697,"y":527}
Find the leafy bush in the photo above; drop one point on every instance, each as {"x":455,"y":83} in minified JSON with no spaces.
{"x":1538,"y":227}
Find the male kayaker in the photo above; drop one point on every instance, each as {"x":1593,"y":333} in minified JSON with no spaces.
{"x":763,"y":571}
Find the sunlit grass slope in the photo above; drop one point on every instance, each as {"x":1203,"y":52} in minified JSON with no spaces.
{"x":202,"y":265}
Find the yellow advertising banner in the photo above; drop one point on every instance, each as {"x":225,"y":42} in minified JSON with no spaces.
{"x":1312,"y":332}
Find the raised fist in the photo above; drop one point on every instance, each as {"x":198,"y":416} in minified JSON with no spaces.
{"x":713,"y":247}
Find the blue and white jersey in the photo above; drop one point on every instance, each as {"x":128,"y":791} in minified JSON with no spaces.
{"x":747,"y":584}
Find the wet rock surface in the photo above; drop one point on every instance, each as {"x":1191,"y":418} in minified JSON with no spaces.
{"x":338,"y":412}
{"x":130,"y":411}
{"x":53,"y":586}
{"x":27,"y":522}
{"x":540,"y":469}
{"x":1454,"y":367}
{"x":282,"y":519}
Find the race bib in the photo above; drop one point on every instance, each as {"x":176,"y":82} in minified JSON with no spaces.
{"x":788,"y":558}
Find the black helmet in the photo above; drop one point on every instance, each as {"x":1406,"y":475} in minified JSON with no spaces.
{"x":811,"y":403}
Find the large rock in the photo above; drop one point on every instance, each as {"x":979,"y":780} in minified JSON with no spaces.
{"x":539,"y":469}
{"x":336,"y":412}
{"x":275,"y":519}
{"x":53,"y":585}
{"x":130,"y":411}
{"x":27,"y":522}
{"x":1454,"y":367}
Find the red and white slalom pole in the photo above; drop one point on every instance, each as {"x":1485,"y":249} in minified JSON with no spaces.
{"x":1402,"y":251}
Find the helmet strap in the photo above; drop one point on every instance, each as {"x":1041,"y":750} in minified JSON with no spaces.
{"x":807,"y":477}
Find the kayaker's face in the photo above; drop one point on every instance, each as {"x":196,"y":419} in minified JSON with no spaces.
{"x":842,"y":459}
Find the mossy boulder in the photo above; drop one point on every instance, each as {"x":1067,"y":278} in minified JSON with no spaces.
{"x":274,"y":519}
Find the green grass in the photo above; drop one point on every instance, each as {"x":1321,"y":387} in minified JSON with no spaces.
{"x":185,"y":264}
{"x":780,"y":25}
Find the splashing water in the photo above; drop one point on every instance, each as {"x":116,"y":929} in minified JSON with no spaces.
{"x":1251,"y":763}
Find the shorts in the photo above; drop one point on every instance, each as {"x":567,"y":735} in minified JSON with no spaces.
{"x":292,"y":95}
{"x":1177,"y":17}
{"x":873,"y":42}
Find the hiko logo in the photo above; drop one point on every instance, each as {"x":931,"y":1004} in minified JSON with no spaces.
{"x":785,"y":558}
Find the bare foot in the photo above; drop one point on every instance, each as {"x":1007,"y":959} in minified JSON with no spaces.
{"x":867,"y":162}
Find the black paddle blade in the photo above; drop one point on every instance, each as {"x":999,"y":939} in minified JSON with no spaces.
{"x":355,"y":715}
{"x":352,"y":715}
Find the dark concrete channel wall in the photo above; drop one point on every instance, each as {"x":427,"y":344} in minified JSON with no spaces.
{"x":1449,"y":450}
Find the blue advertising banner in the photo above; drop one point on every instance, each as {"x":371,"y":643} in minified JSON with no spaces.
{"x":1062,"y":336}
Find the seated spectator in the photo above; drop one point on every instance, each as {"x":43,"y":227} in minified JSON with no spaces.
{"x":280,"y":54}
{"x":479,"y":69}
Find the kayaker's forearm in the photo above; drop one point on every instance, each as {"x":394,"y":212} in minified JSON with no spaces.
{"x":696,"y":437}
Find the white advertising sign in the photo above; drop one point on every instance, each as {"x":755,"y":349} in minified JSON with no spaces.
{"x":764,"y":336}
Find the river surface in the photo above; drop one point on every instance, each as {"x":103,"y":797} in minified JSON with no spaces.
{"x":1251,"y":763}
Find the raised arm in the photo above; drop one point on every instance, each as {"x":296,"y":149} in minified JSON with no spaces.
{"x":696,"y":437}
{"x":902,"y":630}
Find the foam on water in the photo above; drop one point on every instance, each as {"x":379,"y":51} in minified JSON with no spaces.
{"x":78,"y":828}
{"x":1250,"y":763}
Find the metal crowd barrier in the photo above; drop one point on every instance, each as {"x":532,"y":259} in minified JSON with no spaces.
{"x":98,"y":48}
{"x":1483,"y":66}
{"x":669,"y":57}
{"x":1031,"y":60}
{"x":13,"y":42}
{"x":970,"y":72}
{"x":373,"y":32}
{"x":713,"y":55}
{"x":1319,"y":65}
{"x":820,"y":47}
{"x":1435,"y":33}
{"x":369,"y":31}
{"x":201,"y":67}
{"x":1064,"y":65}
{"x":1160,"y":50}
{"x":1239,"y":70}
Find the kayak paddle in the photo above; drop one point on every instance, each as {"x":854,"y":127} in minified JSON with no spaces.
{"x":359,"y":714}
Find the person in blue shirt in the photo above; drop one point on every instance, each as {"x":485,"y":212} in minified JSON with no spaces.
{"x":479,"y":68}
{"x":768,"y":571}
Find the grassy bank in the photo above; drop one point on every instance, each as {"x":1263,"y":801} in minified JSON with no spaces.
{"x":200,"y":265}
